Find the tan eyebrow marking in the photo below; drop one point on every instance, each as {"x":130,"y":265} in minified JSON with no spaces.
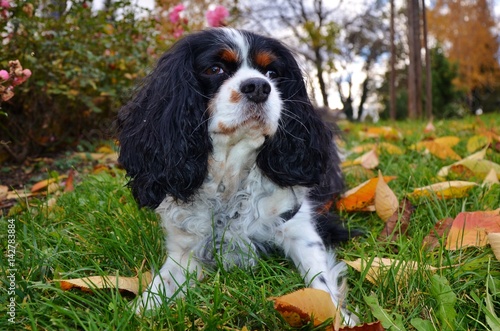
{"x":265,"y":58}
{"x":229,"y":55}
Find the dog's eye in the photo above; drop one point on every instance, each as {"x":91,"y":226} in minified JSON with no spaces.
{"x":271,"y":74}
{"x":214,"y":70}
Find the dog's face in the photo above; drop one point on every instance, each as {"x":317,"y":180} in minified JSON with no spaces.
{"x":223,"y":82}
{"x":240,"y":78}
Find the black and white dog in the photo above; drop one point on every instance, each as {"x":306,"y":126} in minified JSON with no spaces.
{"x":222,"y":141}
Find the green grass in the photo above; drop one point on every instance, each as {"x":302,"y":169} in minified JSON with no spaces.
{"x":98,"y":230}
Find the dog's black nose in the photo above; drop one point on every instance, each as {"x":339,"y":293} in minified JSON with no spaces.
{"x":256,"y":89}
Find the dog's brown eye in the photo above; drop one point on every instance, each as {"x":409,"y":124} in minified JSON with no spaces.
{"x":271,"y":74}
{"x":214,"y":70}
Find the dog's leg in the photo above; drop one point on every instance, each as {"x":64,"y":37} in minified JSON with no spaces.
{"x":301,"y":242}
{"x":168,"y":282}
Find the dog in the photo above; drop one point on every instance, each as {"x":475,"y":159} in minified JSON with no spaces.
{"x":222,"y":141}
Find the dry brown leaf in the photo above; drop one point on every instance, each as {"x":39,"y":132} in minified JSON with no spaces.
{"x":444,"y":190}
{"x":379,"y":266}
{"x":103,"y":157}
{"x":494,"y":239}
{"x":69,"y":187}
{"x":18,"y":195}
{"x":386,"y":202}
{"x":361,"y":196}
{"x":472,"y":228}
{"x":3,"y":192}
{"x":398,"y":223}
{"x":440,"y":230}
{"x":128,"y":284}
{"x":298,"y":307}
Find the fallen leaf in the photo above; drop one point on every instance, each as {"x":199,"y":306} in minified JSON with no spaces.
{"x":398,"y":223}
{"x":369,"y":160}
{"x":103,"y":157}
{"x":129,"y":284}
{"x":443,"y":152}
{"x":361,"y":196}
{"x":386,"y":202}
{"x":444,"y":190}
{"x":429,"y":127}
{"x":377,"y":267}
{"x":68,"y":187}
{"x":494,"y":239}
{"x":481,"y":167}
{"x":386,"y":132}
{"x":443,"y":172}
{"x":44,"y":184}
{"x":379,"y":147}
{"x":477,"y":142}
{"x":449,"y":141}
{"x":375,"y":326}
{"x":472,"y":228}
{"x":441,"y":229}
{"x":3,"y":192}
{"x":105,"y":150}
{"x":491,"y":178}
{"x":18,"y":195}
{"x":302,"y":306}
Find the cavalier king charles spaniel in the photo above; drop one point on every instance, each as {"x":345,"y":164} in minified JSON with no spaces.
{"x":223,"y":142}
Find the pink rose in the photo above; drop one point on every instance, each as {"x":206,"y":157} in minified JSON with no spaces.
{"x":27,"y":73}
{"x":175,"y":14}
{"x":4,"y":4}
{"x":4,"y":75}
{"x":217,"y":16}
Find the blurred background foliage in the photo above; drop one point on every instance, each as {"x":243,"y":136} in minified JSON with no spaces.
{"x":85,"y":61}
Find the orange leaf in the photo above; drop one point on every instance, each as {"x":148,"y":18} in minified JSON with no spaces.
{"x":299,"y":307}
{"x":129,"y":284}
{"x":361,"y":196}
{"x":449,"y":141}
{"x":69,"y":182}
{"x":43,"y":184}
{"x":444,"y":190}
{"x":472,"y":228}
{"x":380,"y":132}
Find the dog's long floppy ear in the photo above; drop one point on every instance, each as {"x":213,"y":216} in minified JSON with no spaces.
{"x":163,"y":132}
{"x":302,"y":151}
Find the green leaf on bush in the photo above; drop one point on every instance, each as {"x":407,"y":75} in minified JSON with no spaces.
{"x":390,"y":321}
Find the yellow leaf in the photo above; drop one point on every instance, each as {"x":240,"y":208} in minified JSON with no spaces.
{"x":299,"y":307}
{"x":449,"y":141}
{"x":443,"y":172}
{"x":441,"y":151}
{"x":129,"y":284}
{"x":444,"y":190}
{"x":386,"y":202}
{"x":378,"y":267}
{"x":380,"y":132}
{"x":481,"y":167}
{"x":477,"y":142}
{"x":491,"y":178}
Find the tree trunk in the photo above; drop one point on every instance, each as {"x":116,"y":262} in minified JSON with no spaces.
{"x":392,"y":83}
{"x":321,"y":81}
{"x":428,"y":73}
{"x":415,"y":67}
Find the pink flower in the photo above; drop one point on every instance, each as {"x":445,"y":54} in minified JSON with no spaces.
{"x":175,"y":14}
{"x":216,"y":17}
{"x":5,"y":4}
{"x":178,"y":32}
{"x":27,"y":73}
{"x":4,"y":75}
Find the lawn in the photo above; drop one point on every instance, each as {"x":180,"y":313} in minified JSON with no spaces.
{"x":97,"y":229}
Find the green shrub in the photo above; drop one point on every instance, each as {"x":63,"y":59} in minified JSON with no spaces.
{"x":83,"y":66}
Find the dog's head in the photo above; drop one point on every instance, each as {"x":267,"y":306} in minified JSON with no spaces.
{"x":223,"y":81}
